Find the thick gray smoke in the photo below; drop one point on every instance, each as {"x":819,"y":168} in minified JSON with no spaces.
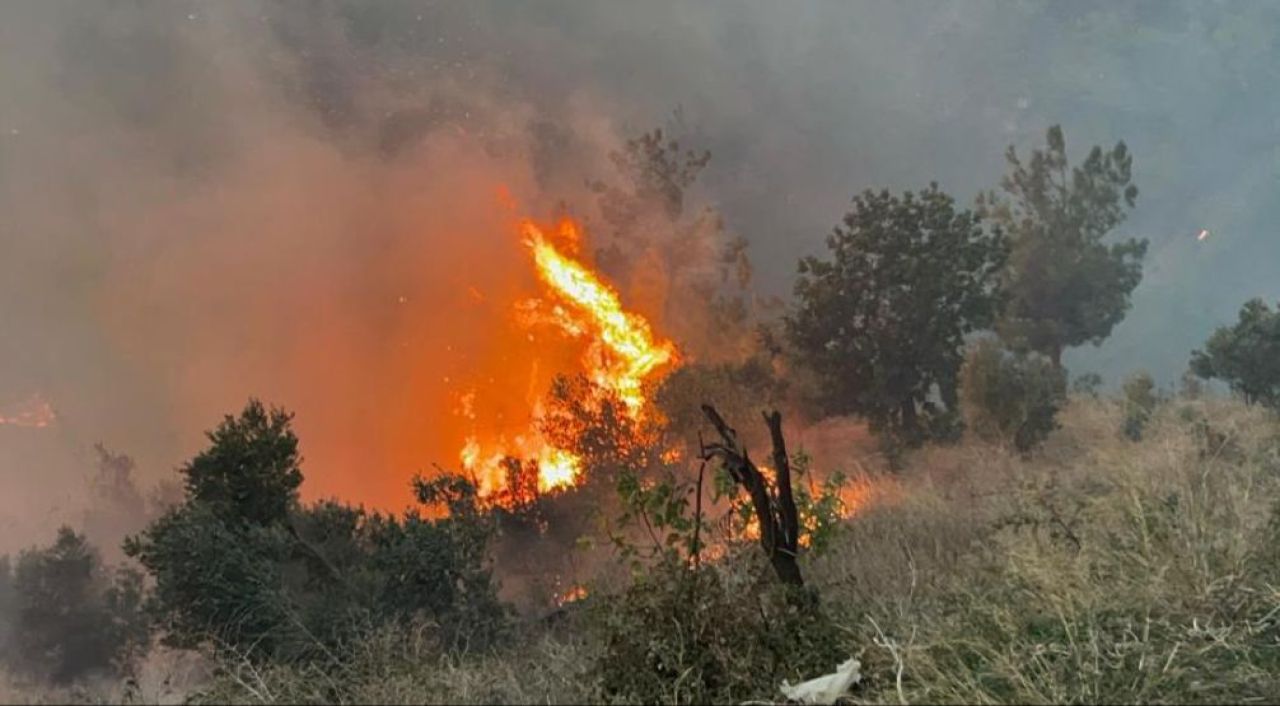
{"x":204,"y":201}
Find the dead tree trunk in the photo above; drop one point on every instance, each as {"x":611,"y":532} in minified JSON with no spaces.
{"x":776,"y":513}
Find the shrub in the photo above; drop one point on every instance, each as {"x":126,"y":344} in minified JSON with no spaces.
{"x":1246,"y":356}
{"x":682,"y":635}
{"x":242,"y":562}
{"x":1011,"y":398}
{"x":1140,"y":400}
{"x":69,"y":617}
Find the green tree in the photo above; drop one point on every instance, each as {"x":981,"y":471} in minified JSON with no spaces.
{"x":1246,"y":356}
{"x":1011,"y":398}
{"x":241,"y":562}
{"x":882,"y":323}
{"x":250,"y":471}
{"x":1066,"y":286}
{"x":69,"y":618}
{"x":1140,"y":400}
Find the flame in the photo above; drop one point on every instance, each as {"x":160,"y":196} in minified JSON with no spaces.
{"x":572,"y":595}
{"x":32,"y":413}
{"x":622,"y":355}
{"x":624,"y":334}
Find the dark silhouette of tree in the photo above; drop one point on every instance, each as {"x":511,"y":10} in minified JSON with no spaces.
{"x":882,"y":323}
{"x":1065,"y":285}
{"x":70,"y":619}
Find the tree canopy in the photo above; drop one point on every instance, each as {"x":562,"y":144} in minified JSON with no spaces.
{"x":882,"y":323}
{"x":1066,"y":286}
{"x":1246,"y":356}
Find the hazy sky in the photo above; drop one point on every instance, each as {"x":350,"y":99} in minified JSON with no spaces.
{"x":190,"y":191}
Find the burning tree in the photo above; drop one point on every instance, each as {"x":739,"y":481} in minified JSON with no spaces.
{"x":775,"y":508}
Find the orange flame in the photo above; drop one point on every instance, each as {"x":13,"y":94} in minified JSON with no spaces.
{"x":33,"y":413}
{"x":622,"y":355}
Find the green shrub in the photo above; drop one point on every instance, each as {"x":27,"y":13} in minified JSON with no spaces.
{"x":69,"y":618}
{"x":242,"y":563}
{"x":1140,"y":400}
{"x":1011,"y":398}
{"x":681,"y":635}
{"x":1246,"y":356}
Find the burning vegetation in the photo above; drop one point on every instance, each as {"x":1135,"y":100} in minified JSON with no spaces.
{"x":621,"y":358}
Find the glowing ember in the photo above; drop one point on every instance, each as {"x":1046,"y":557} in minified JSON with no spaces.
{"x":33,"y":413}
{"x":572,"y":595}
{"x":621,"y":356}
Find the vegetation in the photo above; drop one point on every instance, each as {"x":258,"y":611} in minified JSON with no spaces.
{"x":1066,"y":286}
{"x":1100,"y":570}
{"x":1011,"y":398}
{"x":67,"y":618}
{"x":882,"y":323}
{"x":1140,"y":400}
{"x":1246,"y":356}
{"x":243,"y":565}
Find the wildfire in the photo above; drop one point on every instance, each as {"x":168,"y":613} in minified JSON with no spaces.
{"x":622,"y":355}
{"x":33,"y":413}
{"x":573,"y":595}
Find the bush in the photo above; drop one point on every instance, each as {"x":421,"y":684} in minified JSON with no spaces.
{"x":68,"y":617}
{"x":1246,"y":356}
{"x":241,"y":562}
{"x":1011,"y":398}
{"x":683,"y":635}
{"x":1140,"y":400}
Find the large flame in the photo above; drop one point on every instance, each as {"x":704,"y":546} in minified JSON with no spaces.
{"x":621,"y":356}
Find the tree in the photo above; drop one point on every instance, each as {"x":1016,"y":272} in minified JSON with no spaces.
{"x":675,"y":260}
{"x":882,"y":323}
{"x":250,"y":472}
{"x":1246,"y":356}
{"x":1140,"y":401}
{"x":1065,"y":285}
{"x":69,"y":618}
{"x":1011,"y":398}
{"x":242,"y":562}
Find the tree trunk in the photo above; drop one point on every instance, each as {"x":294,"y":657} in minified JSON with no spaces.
{"x":777,"y":516}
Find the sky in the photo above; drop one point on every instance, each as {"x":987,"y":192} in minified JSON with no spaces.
{"x":201,"y":202}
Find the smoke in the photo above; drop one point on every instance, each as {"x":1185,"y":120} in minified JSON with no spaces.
{"x":202,"y":202}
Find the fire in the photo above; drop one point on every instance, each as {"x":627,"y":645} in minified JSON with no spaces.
{"x":621,"y":356}
{"x":33,"y":413}
{"x":572,"y":595}
{"x":627,"y":336}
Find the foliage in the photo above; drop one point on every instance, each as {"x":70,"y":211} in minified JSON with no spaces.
{"x":117,"y":507}
{"x":1246,"y":356}
{"x":882,"y":323}
{"x":677,"y":260}
{"x":1011,"y":398}
{"x":268,"y":578}
{"x":70,"y":617}
{"x":595,"y":424}
{"x":1087,"y":384}
{"x":249,"y":474}
{"x":1140,"y":400}
{"x":740,"y":390}
{"x":696,"y":635}
{"x":1065,"y":285}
